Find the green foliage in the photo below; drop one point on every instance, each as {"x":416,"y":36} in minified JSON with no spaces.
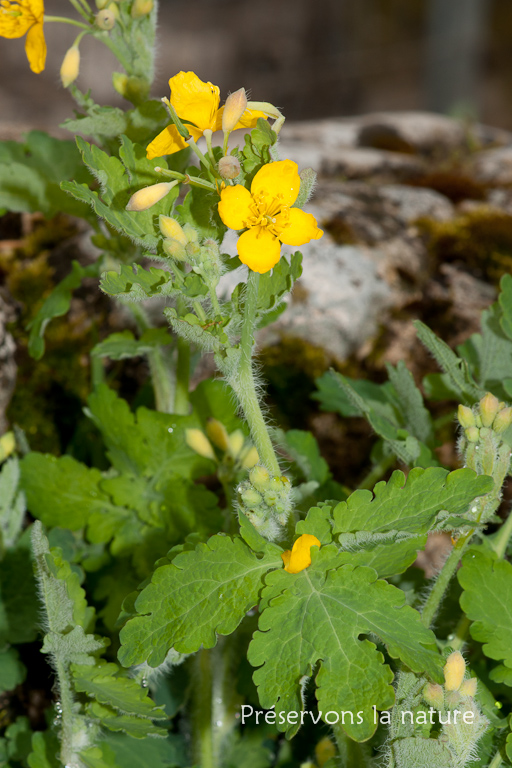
{"x":12,"y":503}
{"x":332,"y":608}
{"x":119,"y":179}
{"x":487,"y":585}
{"x":133,"y":283}
{"x":119,"y":346}
{"x":31,"y":172}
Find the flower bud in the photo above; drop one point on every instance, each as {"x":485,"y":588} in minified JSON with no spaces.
{"x":259,"y":477}
{"x":149,"y":196}
{"x":106,"y":19}
{"x":100,"y":4}
{"x":454,"y":670}
{"x":234,"y":108}
{"x":70,"y":66}
{"x":465,"y":416}
{"x":169,"y":227}
{"x":503,"y":420}
{"x":452,"y":699}
{"x":114,"y":8}
{"x":236,"y":442}
{"x":251,"y":498}
{"x":197,"y":440}
{"x":489,"y":407}
{"x":191,"y":234}
{"x":468,"y":687}
{"x":7,"y":445}
{"x":473,"y":434}
{"x":134,"y":89}
{"x":324,"y":751}
{"x":175,"y":250}
{"x":229,"y":167}
{"x":434,"y":695}
{"x":217,"y":433}
{"x":249,"y":458}
{"x":141,"y":8}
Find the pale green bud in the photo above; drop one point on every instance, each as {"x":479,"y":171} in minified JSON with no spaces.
{"x":468,"y":687}
{"x":249,"y":457}
{"x":229,"y":167}
{"x":141,"y":8}
{"x":197,"y":440}
{"x":100,"y":4}
{"x":485,"y":432}
{"x":70,"y":66}
{"x":191,"y":234}
{"x":134,"y":89}
{"x":465,"y":416}
{"x":7,"y":445}
{"x":175,"y":250}
{"x":106,"y":19}
{"x":251,"y":498}
{"x":452,"y":699}
{"x":454,"y":670}
{"x":472,"y":434}
{"x":148,"y":196}
{"x":503,"y":420}
{"x":271,"y":498}
{"x":236,"y":442}
{"x":217,"y":433}
{"x":489,"y":407}
{"x":259,"y":477}
{"x":434,"y":695}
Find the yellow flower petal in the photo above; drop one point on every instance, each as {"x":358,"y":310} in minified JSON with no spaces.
{"x":195,"y":101}
{"x":278,"y":180}
{"x":35,"y":48}
{"x":166,"y":143}
{"x":234,"y":206}
{"x":301,"y":228}
{"x":259,"y":249}
{"x":286,"y":558}
{"x":248,"y":119}
{"x":300,"y":557}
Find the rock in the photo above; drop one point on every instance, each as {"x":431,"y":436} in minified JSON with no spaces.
{"x":493,"y":166}
{"x":7,"y":363}
{"x":413,"y":132}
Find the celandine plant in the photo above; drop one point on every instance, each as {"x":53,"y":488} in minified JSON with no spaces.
{"x":274,"y":620}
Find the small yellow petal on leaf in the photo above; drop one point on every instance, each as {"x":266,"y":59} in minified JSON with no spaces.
{"x":300,"y":557}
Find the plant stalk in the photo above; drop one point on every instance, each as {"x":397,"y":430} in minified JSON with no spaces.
{"x":244,"y":384}
{"x":162,"y":378}
{"x":181,"y":402}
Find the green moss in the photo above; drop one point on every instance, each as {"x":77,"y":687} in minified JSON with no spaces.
{"x":480,"y":239}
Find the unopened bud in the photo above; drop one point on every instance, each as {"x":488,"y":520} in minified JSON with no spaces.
{"x":70,"y":66}
{"x":434,"y":695}
{"x":468,"y":687}
{"x":217,"y":433}
{"x":229,"y":167}
{"x":234,"y":108}
{"x":174,"y":250}
{"x":149,"y":196}
{"x":7,"y":445}
{"x":259,"y":477}
{"x":141,"y":8}
{"x":106,"y":19}
{"x":191,"y":234}
{"x":251,"y":498}
{"x":489,"y":407}
{"x":472,"y":434}
{"x":100,"y":4}
{"x":236,"y":442}
{"x":114,"y":8}
{"x":454,"y":670}
{"x":452,"y":699}
{"x":324,"y":751}
{"x":465,"y":416}
{"x":250,"y":458}
{"x":169,"y":227}
{"x":132,"y":88}
{"x":503,"y":420}
{"x":197,"y":440}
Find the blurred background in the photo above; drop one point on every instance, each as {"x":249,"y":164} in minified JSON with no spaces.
{"x":312,"y":58}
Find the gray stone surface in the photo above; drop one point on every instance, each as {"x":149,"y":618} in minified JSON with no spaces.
{"x":7,"y":363}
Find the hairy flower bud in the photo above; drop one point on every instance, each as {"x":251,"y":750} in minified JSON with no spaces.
{"x":229,"y":167}
{"x":197,"y":440}
{"x":489,"y":407}
{"x":251,"y":498}
{"x":149,"y":196}
{"x":454,"y":670}
{"x":100,"y":4}
{"x":465,"y":416}
{"x":234,"y":108}
{"x":503,"y":420}
{"x":434,"y":695}
{"x":468,"y":687}
{"x":106,"y":19}
{"x":174,"y":249}
{"x":70,"y":66}
{"x":169,"y":227}
{"x":473,"y":434}
{"x":259,"y":477}
{"x":141,"y":8}
{"x":217,"y":433}
{"x":249,"y":458}
{"x":7,"y":445}
{"x":324,"y":751}
{"x":236,"y":442}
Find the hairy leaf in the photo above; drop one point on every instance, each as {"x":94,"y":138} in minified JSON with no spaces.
{"x":119,"y":346}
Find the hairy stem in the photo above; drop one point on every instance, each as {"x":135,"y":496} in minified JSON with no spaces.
{"x":502,"y":538}
{"x":244,"y":383}
{"x":377,"y":472}
{"x":162,"y":377}
{"x":64,"y":20}
{"x":202,"y":712}
{"x":181,"y":403}
{"x":66,"y":703}
{"x":352,"y":754}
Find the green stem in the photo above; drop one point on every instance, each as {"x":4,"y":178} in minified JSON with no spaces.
{"x":497,"y":760}
{"x":215,"y":301}
{"x":352,"y":754}
{"x":195,"y":181}
{"x":377,"y":472}
{"x":502,"y":538}
{"x":63,"y":20}
{"x":460,"y":633}
{"x":181,"y":402}
{"x":161,"y":375}
{"x":445,"y":575}
{"x":208,"y":137}
{"x":66,"y":703}
{"x":243,"y":382}
{"x":202,"y":714}
{"x":79,"y":7}
{"x":102,"y":35}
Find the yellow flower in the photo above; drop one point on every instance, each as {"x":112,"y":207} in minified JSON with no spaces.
{"x":25,"y":16}
{"x":267,"y":213}
{"x":300,"y":555}
{"x":197,"y":105}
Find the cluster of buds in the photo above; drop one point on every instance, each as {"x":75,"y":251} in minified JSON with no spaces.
{"x":462,"y":722}
{"x":483,"y":427}
{"x":266,"y":501}
{"x":234,"y":453}
{"x":182,"y":244}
